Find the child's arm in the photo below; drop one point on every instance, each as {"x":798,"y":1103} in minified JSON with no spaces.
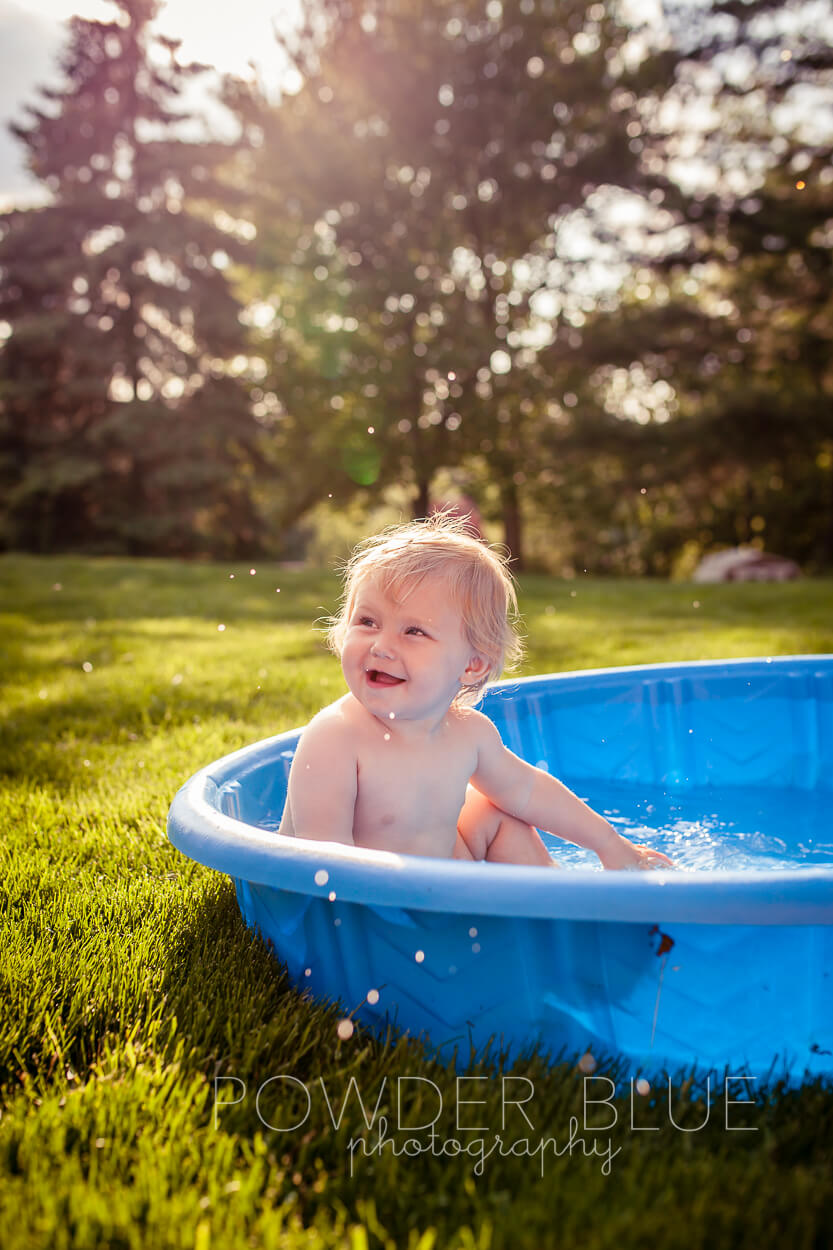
{"x":535,"y":797}
{"x":323,"y":783}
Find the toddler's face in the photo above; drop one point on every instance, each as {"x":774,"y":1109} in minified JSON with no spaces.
{"x":407,"y":658}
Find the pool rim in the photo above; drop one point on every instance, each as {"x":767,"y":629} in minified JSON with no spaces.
{"x":198,"y":828}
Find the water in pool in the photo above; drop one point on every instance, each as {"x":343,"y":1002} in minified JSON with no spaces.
{"x":734,"y":829}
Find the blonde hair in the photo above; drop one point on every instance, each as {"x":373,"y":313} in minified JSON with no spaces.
{"x":478,"y":578}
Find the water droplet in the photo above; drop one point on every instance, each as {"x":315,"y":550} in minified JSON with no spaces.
{"x":392,"y":715}
{"x":220,"y":628}
{"x":43,"y":694}
{"x":336,"y":922}
{"x":332,"y":896}
{"x":277,"y":590}
{"x":345,"y":1029}
{"x":231,"y":576}
{"x":176,"y":680}
{"x":322,"y":876}
{"x":419,"y":956}
{"x":371,"y":429}
{"x":373,"y":996}
{"x":587,"y":1063}
{"x":86,"y":763}
{"x":57,"y":586}
{"x":87,"y":666}
{"x":475,"y":946}
{"x":252,"y":572}
{"x":472,"y":932}
{"x":642,"y":1087}
{"x":387,"y":737}
{"x":308,"y":972}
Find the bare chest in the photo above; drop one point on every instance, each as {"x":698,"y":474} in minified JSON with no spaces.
{"x":409,"y":797}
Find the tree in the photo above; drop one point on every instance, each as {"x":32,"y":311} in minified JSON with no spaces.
{"x":754,"y":443}
{"x":418,"y":181}
{"x":707,"y":385}
{"x":120,"y":421}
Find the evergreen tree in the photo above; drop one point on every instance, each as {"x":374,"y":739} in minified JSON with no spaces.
{"x":120,"y":423}
{"x":708,"y":389}
{"x":752,"y":447}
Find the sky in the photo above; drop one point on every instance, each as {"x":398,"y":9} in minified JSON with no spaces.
{"x":33,"y":32}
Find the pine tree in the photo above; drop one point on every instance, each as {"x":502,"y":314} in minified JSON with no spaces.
{"x":121,"y":425}
{"x":752,"y":446}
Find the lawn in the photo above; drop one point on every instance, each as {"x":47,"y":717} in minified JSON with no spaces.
{"x":130,"y":990}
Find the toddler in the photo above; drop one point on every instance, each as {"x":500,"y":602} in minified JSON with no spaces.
{"x":404,"y":762}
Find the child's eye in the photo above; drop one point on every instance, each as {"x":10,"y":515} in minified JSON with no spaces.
{"x":366,"y":620}
{"x":415,"y":629}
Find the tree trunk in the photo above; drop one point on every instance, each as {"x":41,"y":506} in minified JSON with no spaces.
{"x":422,"y":499}
{"x":512,"y":525}
{"x":827,"y":556}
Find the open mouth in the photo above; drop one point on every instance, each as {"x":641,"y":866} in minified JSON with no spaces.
{"x":377,"y":678}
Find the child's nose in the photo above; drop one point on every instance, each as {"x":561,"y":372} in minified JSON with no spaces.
{"x":382,"y":646}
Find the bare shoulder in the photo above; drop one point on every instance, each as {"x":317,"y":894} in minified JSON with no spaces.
{"x":333,"y":725}
{"x":475,"y":727}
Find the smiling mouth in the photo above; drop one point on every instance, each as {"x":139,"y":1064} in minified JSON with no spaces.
{"x":377,"y":678}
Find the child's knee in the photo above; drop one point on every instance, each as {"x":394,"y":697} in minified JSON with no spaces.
{"x":519,"y":843}
{"x":478,"y":823}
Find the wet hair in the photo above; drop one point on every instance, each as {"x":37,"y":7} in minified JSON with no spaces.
{"x":479,"y":583}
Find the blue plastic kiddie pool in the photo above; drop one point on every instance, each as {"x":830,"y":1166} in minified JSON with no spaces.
{"x":725,"y":962}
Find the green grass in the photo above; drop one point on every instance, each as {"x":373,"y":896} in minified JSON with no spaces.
{"x":128,"y":982}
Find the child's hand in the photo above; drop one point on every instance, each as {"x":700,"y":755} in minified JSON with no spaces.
{"x":620,"y":853}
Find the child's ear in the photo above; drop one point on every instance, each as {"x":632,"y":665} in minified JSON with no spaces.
{"x":476,"y":670}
